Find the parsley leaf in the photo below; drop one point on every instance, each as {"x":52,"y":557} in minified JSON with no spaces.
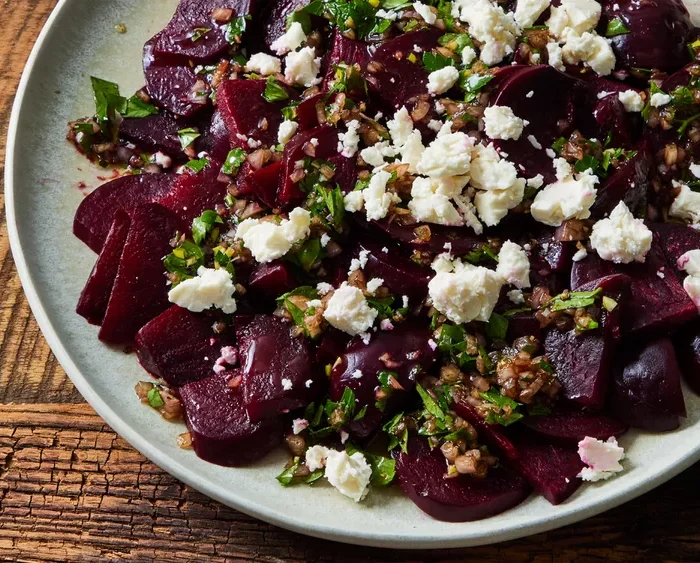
{"x":274,"y":91}
{"x":436,"y":61}
{"x":203,"y":225}
{"x":473,"y":83}
{"x":154,"y":398}
{"x":188,"y":136}
{"x":616,"y":27}
{"x":497,"y":327}
{"x":233,"y":162}
{"x":198,"y":164}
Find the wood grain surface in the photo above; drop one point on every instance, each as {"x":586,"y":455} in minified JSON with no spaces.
{"x":72,"y":490}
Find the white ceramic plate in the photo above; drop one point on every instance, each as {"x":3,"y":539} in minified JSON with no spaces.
{"x":42,"y":176}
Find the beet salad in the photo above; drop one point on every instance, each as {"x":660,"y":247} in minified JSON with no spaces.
{"x":450,"y":246}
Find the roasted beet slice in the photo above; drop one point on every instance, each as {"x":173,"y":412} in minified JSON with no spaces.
{"x":263,"y":183}
{"x":630,"y":183}
{"x":647,"y":392}
{"x":332,"y":346}
{"x":687,"y":344}
{"x":153,"y":133}
{"x":549,"y":109}
{"x":675,"y":239}
{"x":180,"y":346}
{"x":421,"y":474}
{"x":215,"y":140}
{"x":658,"y":33}
{"x":583,"y":360}
{"x":327,"y":147}
{"x":93,"y":300}
{"x":460,"y":240}
{"x":658,"y":302}
{"x":345,"y":172}
{"x":221,"y":430}
{"x":274,"y":18}
{"x":394,"y":79}
{"x":194,"y":35}
{"x":272,"y":280}
{"x":276,"y":366}
{"x":551,"y":469}
{"x":96,"y":212}
{"x":571,"y":426}
{"x":244,"y":110}
{"x":524,"y":323}
{"x":404,"y":351}
{"x":348,"y":51}
{"x":140,"y":292}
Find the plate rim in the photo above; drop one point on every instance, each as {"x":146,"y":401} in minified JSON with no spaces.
{"x":187,"y":476}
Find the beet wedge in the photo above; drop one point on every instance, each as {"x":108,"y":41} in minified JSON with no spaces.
{"x":687,"y":345}
{"x":406,"y":350}
{"x":421,"y":474}
{"x":675,"y":239}
{"x":96,"y":212}
{"x":180,"y":346}
{"x":570,"y":426}
{"x":275,"y":365}
{"x":154,"y":133}
{"x":647,"y":391}
{"x":140,"y":292}
{"x":222,"y":433}
{"x":92,"y":304}
{"x":348,"y":51}
{"x":271,"y":280}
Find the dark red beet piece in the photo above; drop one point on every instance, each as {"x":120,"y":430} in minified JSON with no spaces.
{"x":407,"y":350}
{"x":276,"y":366}
{"x":180,"y":346}
{"x":153,"y":133}
{"x":522,"y":324}
{"x":221,"y":430}
{"x":243,"y":108}
{"x":571,"y":426}
{"x":658,"y":33}
{"x":345,"y":172}
{"x":396,"y":81}
{"x":348,"y":51}
{"x":647,"y":391}
{"x":95,"y":213}
{"x":331,"y":347}
{"x":583,"y":360}
{"x":140,"y":292}
{"x":307,"y":117}
{"x":272,"y":280}
{"x":550,"y":106}
{"x":675,"y":239}
{"x":656,"y":303}
{"x":462,"y":239}
{"x":263,"y":183}
{"x":461,"y":499}
{"x":215,"y":140}
{"x":551,"y":469}
{"x":687,"y":344}
{"x":92,"y":304}
{"x":274,"y":18}
{"x":289,"y":191}
{"x":192,"y":34}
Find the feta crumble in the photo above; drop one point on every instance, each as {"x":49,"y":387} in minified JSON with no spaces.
{"x":516,"y":296}
{"x":528,"y":11}
{"x":447,"y":155}
{"x":686,"y":205}
{"x":400,"y":127}
{"x":592,"y":50}
{"x":286,"y":131}
{"x":501,"y":123}
{"x":631,"y":100}
{"x":348,"y":310}
{"x":658,"y":99}
{"x":513,"y":265}
{"x":373,"y":285}
{"x":264,"y":64}
{"x":350,"y":474}
{"x":299,"y":425}
{"x":302,"y":67}
{"x":567,"y":198}
{"x":621,"y":238}
{"x":440,"y":81}
{"x":268,"y":241}
{"x":425,"y":12}
{"x":690,"y":262}
{"x":602,"y":458}
{"x":289,"y":41}
{"x":430,"y":200}
{"x":349,"y":141}
{"x":211,"y":288}
{"x":489,"y":24}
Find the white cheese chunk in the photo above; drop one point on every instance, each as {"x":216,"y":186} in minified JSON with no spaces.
{"x":493,"y":205}
{"x":377,"y":199}
{"x":554,"y":56}
{"x":686,"y":205}
{"x":425,"y":12}
{"x":592,"y":50}
{"x":448,"y":155}
{"x":567,"y":198}
{"x":268,"y":241}
{"x":211,"y":288}
{"x":286,"y":131}
{"x":690,"y":262}
{"x":440,"y":81}
{"x":488,"y":171}
{"x":468,"y":55}
{"x":430,"y":200}
{"x":489,"y":24}
{"x":528,"y":11}
{"x":289,"y":41}
{"x":316,"y":457}
{"x":412,"y":150}
{"x":264,"y":64}
{"x":400,"y":127}
{"x":350,"y":474}
{"x":513,"y":265}
{"x":631,"y":100}
{"x":659,"y":99}
{"x":602,"y":458}
{"x":348,"y":310}
{"x":349,"y":141}
{"x":501,"y":123}
{"x":302,"y":67}
{"x":621,"y":238}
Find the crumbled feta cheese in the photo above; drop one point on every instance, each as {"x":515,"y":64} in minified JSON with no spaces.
{"x":325,"y":239}
{"x":554,"y":56}
{"x":501,"y":123}
{"x":573,"y":16}
{"x":488,"y":171}
{"x":412,"y":150}
{"x":349,"y":141}
{"x":286,"y":131}
{"x":302,"y":67}
{"x":631,"y":100}
{"x":658,"y":99}
{"x":534,"y":142}
{"x":227,"y":358}
{"x":528,"y":11}
{"x":373,"y":155}
{"x":211,"y":288}
{"x":489,"y":24}
{"x":468,"y":55}
{"x":448,"y":155}
{"x":268,"y":241}
{"x":621,"y":238}
{"x":286,"y":384}
{"x":581,"y":253}
{"x":299,"y":425}
{"x":290,"y":41}
{"x":386,"y":324}
{"x":324,"y":288}
{"x":425,"y":12}
{"x":360,"y":262}
{"x":348,"y":310}
{"x":377,"y":199}
{"x":390,"y":15}
{"x":694,"y":169}
{"x":493,"y":205}
{"x":350,"y":474}
{"x":602,"y":458}
{"x":354,"y":201}
{"x":440,"y":81}
{"x":513,"y":265}
{"x":264,"y":64}
{"x":516,"y":296}
{"x":253,"y":144}
{"x":434,"y":125}
{"x":468,"y":211}
{"x":400,"y":127}
{"x":567,"y":198}
{"x":686,"y":205}
{"x":316,"y":457}
{"x":430,"y":200}
{"x":536,"y":182}
{"x":592,"y":50}
{"x":373,"y":285}
{"x":466,"y":293}
{"x":690,"y":262}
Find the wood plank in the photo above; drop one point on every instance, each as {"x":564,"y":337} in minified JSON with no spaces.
{"x":72,"y":490}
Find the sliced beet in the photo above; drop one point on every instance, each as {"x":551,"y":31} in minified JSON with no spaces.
{"x":332,"y":345}
{"x":215,"y":139}
{"x":96,"y":212}
{"x":274,"y":18}
{"x":289,"y":191}
{"x":675,"y":239}
{"x":647,"y":392}
{"x":551,"y":469}
{"x":461,"y":240}
{"x":140,"y":292}
{"x":658,"y":33}
{"x":630,"y":183}
{"x":571,"y":425}
{"x":193,"y":35}
{"x":153,"y":133}
{"x":276,"y":366}
{"x":180,"y":346}
{"x":263,"y":183}
{"x":272,"y":280}
{"x":221,"y":430}
{"x":658,"y":302}
{"x":549,"y":109}
{"x":403,"y":350}
{"x":524,"y":323}
{"x":348,"y":51}
{"x":687,"y":344}
{"x":307,"y":116}
{"x":244,"y":110}
{"x":392,"y":77}
{"x":557,"y":255}
{"x":345,"y":172}
{"x":421,"y":474}
{"x":92,"y":304}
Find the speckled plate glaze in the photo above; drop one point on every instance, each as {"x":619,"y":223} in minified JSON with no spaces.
{"x":43,"y":175}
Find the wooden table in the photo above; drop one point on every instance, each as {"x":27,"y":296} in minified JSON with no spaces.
{"x":72,"y":490}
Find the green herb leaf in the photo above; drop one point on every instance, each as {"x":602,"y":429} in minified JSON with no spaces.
{"x":497,"y":327}
{"x":274,"y":91}
{"x":188,"y":136}
{"x":106,"y":95}
{"x":383,"y":469}
{"x":588,"y":162}
{"x":304,"y":290}
{"x":136,"y":108}
{"x":198,"y":164}
{"x":456,"y":41}
{"x":334,"y":205}
{"x":395,"y":4}
{"x":544,"y":365}
{"x":473,"y":83}
{"x":436,"y":61}
{"x":499,"y":400}
{"x":184,"y":260}
{"x":235,"y":28}
{"x":198,"y":33}
{"x":494,"y":418}
{"x":616,"y":27}
{"x":233,"y":162}
{"x":310,"y":254}
{"x":154,"y":398}
{"x":482,"y":254}
{"x":574,"y":300}
{"x":287,"y":476}
{"x":397,"y":431}
{"x":430,"y":405}
{"x":203,"y":224}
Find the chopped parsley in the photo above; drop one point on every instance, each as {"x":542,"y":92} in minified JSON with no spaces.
{"x":616,"y":27}
{"x":274,"y":91}
{"x":188,"y":137}
{"x":233,"y":162}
